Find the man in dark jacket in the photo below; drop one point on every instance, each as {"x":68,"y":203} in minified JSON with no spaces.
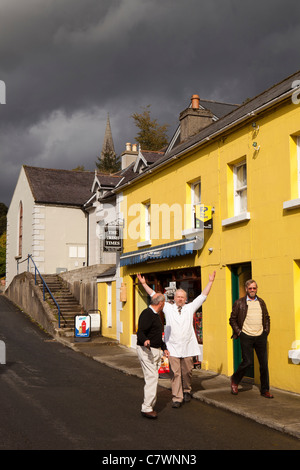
{"x":250,"y":322}
{"x":149,"y":347}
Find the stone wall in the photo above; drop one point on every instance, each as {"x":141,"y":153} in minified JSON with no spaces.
{"x":23,"y":292}
{"x":82,"y":283}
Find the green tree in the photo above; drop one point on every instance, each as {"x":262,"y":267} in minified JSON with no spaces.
{"x":108,"y":162}
{"x":151,"y":136}
{"x":79,"y":168}
{"x":3,"y":212}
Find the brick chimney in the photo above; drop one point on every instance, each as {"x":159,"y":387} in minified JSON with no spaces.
{"x":193,"y":119}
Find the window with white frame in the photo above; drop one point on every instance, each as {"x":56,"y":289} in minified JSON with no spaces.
{"x":294,"y":202}
{"x":298,"y":163}
{"x":196,"y":202}
{"x":240,"y":188}
{"x":147,"y":221}
{"x":77,"y":251}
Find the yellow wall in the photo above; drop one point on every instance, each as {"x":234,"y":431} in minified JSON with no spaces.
{"x":269,"y":240}
{"x":109,"y":331}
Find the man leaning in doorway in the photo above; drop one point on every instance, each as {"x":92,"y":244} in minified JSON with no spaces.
{"x":250,"y":322}
{"x":180,"y":338}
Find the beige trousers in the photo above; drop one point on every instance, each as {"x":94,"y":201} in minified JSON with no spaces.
{"x":150,"y":361}
{"x":181,"y":381}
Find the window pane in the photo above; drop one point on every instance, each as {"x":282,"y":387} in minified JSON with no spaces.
{"x":241,"y":173}
{"x":243,"y":200}
{"x":197,"y":193}
{"x":81,"y":252}
{"x":73,"y":251}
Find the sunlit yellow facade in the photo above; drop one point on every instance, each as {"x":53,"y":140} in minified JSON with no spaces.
{"x":256,"y":226}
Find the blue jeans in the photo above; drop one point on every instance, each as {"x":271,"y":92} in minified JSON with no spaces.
{"x":259,"y":344}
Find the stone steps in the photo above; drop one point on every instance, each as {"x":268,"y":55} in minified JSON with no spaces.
{"x":69,"y":306}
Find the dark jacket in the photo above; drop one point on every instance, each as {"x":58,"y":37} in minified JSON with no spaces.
{"x":239,"y":313}
{"x":150,"y":327}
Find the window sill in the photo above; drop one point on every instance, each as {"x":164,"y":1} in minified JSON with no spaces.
{"x":292,"y":204}
{"x":236,"y":219}
{"x":143,"y":244}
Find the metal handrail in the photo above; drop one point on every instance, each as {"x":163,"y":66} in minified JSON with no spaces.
{"x":45,"y":286}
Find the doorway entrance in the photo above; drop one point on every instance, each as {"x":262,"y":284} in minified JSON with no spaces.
{"x":188,"y":279}
{"x":240,"y":273}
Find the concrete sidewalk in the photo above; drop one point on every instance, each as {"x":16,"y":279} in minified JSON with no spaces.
{"x":281,"y":413}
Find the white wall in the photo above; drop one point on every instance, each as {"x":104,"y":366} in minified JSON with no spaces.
{"x":56,"y":236}
{"x":22,"y":193}
{"x":99,"y":215}
{"x":65,"y":239}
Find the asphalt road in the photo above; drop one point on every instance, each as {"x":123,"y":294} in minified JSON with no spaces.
{"x":54,"y":398}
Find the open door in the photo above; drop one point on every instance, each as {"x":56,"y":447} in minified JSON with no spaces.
{"x":240,"y":273}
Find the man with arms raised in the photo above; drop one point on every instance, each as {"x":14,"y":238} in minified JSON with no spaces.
{"x":181,"y":339}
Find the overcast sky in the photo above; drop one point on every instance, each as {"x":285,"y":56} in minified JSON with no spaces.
{"x":68,"y":63}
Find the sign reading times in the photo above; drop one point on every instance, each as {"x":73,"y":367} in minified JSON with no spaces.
{"x":112,"y":238}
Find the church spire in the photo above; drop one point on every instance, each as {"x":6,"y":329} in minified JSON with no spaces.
{"x":108,"y":143}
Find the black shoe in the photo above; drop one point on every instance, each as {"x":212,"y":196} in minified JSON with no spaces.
{"x":187,"y":397}
{"x":176,"y":404}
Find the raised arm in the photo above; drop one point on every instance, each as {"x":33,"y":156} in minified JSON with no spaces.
{"x":198,"y":301}
{"x":207,"y":288}
{"x":145,"y":285}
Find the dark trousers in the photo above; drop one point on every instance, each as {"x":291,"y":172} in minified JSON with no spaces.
{"x":259,"y":344}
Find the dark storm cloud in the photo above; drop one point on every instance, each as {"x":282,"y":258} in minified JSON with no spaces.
{"x":67,"y":63}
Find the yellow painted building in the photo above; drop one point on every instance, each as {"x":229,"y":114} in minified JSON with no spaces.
{"x":246,"y":167}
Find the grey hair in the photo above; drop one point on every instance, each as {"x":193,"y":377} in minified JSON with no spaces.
{"x":250,"y":281}
{"x":181,"y":290}
{"x":156,"y":299}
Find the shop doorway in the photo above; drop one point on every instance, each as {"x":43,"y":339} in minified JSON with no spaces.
{"x":240,"y":273}
{"x":188,"y":279}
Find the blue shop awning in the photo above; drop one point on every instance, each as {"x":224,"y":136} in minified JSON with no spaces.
{"x":169,"y":250}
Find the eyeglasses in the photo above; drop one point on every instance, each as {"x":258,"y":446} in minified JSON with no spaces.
{"x":252,"y":288}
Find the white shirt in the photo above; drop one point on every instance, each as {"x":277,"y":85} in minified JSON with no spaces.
{"x":180,"y":336}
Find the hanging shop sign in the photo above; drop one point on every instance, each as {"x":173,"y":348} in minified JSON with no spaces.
{"x":203,"y":216}
{"x":112,"y":238}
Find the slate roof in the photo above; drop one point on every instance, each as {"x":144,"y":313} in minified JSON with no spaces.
{"x":151,"y":156}
{"x":128,"y":173}
{"x":66,"y":187}
{"x":218,"y":108}
{"x":246,"y":111}
{"x":73,"y":188}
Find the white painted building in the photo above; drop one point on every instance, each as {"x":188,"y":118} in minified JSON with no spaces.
{"x":46,"y":219}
